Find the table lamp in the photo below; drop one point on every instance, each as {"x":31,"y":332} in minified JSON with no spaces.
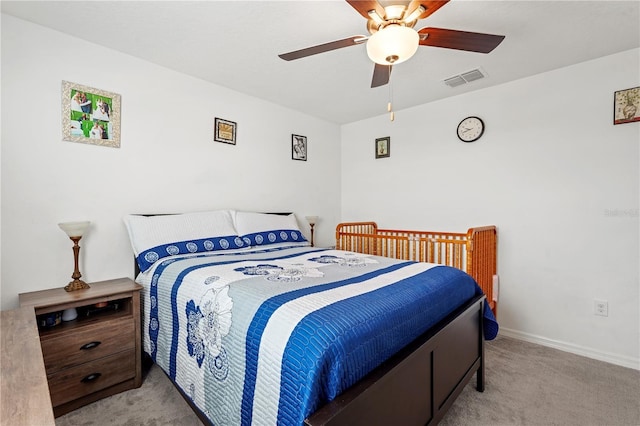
{"x":312,"y":222}
{"x":75,"y":230}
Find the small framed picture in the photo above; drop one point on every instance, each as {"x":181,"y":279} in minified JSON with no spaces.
{"x":626,"y":106}
{"x":299,"y":147}
{"x":90,"y":115}
{"x":225,"y":131}
{"x":383,"y":147}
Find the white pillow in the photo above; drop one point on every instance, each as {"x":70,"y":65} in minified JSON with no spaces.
{"x":156,"y":237}
{"x":263,"y":229}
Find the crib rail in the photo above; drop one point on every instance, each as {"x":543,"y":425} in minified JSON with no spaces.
{"x":474,"y":252}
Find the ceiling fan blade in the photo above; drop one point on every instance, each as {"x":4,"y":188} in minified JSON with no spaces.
{"x":364,"y":6}
{"x":381,"y":74}
{"x":321,"y":48}
{"x":460,"y":40}
{"x":429,"y":5}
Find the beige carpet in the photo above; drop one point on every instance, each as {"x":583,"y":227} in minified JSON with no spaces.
{"x":526,"y":384}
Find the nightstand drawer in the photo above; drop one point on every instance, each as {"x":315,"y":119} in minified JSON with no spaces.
{"x":87,"y":343}
{"x":90,"y":377}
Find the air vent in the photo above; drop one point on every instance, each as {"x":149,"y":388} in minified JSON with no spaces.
{"x":467,"y":77}
{"x":472,"y":75}
{"x":455,"y":81}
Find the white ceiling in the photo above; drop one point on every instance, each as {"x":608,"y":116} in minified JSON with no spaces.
{"x":235,"y":44}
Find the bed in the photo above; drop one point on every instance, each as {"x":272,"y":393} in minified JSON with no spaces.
{"x":255,"y":326}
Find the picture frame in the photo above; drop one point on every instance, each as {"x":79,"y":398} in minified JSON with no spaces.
{"x":298,"y":147}
{"x":90,"y":115}
{"x":626,"y":105}
{"x":383,"y":147}
{"x":225,"y":131}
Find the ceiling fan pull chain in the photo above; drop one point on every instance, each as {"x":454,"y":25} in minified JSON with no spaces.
{"x":389,"y":108}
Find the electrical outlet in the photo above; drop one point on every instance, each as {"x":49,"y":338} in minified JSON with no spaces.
{"x":601,"y":307}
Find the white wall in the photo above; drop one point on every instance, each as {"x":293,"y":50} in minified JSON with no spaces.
{"x":167,"y":162}
{"x":551,"y":171}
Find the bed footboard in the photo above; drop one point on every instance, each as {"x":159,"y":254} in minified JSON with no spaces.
{"x":419,"y":384}
{"x":474,"y":252}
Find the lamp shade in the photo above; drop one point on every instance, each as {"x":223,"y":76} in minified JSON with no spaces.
{"x":74,"y":229}
{"x":393,"y":44}
{"x":311,"y":219}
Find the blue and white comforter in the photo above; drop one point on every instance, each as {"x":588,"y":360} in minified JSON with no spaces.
{"x":268,"y":336}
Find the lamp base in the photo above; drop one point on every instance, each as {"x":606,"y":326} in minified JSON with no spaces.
{"x":76,"y":285}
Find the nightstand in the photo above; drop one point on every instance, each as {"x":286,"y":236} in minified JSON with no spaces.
{"x":96,"y":355}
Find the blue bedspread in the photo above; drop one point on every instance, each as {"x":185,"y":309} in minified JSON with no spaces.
{"x":268,"y":336}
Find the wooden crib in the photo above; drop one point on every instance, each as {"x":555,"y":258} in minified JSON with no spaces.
{"x":474,"y":252}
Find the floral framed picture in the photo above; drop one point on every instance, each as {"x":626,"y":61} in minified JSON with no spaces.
{"x":90,"y":115}
{"x":626,"y":106}
{"x":298,"y":147}
{"x":383,"y":147}
{"x":225,"y":131}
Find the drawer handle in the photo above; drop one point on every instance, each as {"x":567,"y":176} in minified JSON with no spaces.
{"x":91,"y":377}
{"x":89,"y":345}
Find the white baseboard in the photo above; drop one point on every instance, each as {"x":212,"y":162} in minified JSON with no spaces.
{"x":611,"y":358}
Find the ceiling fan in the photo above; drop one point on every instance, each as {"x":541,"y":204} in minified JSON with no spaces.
{"x":393,"y":39}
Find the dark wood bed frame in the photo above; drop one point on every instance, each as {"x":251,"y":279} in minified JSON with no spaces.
{"x":418,"y":384}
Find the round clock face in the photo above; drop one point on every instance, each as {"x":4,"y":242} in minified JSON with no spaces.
{"x":470,"y":129}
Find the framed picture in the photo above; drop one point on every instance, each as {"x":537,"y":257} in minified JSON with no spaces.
{"x":299,"y":147}
{"x":626,"y":106}
{"x":225,"y":131}
{"x":90,"y":115}
{"x":383,"y":147}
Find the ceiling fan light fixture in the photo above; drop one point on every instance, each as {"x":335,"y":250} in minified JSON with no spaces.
{"x":375,"y":17}
{"x":415,"y":14}
{"x":392,"y":45}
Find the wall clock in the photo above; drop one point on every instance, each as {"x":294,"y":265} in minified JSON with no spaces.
{"x":470,"y":129}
